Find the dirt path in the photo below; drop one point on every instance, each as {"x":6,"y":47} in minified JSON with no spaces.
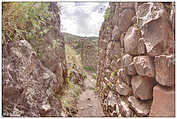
{"x":88,"y":103}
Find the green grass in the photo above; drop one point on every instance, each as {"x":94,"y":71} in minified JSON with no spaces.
{"x":90,"y":69}
{"x":69,"y":98}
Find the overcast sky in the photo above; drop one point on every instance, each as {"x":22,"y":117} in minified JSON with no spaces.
{"x":82,"y":18}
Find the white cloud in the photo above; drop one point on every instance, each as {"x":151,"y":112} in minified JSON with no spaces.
{"x":82,"y":18}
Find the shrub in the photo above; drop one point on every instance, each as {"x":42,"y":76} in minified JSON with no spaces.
{"x":106,"y":15}
{"x":24,"y":20}
{"x":88,"y":68}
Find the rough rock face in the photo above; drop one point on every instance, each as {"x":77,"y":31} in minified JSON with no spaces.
{"x":153,"y":17}
{"x":51,"y":49}
{"x":33,"y":73}
{"x":136,"y":46}
{"x":28,"y":87}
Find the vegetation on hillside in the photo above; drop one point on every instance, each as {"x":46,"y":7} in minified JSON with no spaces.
{"x":24,"y":20}
{"x":75,"y":40}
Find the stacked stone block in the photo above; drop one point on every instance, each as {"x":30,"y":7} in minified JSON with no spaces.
{"x":135,"y":74}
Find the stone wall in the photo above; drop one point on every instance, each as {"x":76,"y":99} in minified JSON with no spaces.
{"x":88,"y":54}
{"x":135,"y":74}
{"x":30,"y":83}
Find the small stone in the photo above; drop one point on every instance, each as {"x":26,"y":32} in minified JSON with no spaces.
{"x":122,"y":88}
{"x":115,"y":33}
{"x":130,"y":69}
{"x":82,"y":108}
{"x":90,"y":105}
{"x":122,"y":75}
{"x":124,"y":109}
{"x":140,"y":107}
{"x":141,"y":46}
{"x":128,"y":64}
{"x":111,"y":100}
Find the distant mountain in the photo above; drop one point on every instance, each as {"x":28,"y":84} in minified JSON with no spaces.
{"x":68,"y":36}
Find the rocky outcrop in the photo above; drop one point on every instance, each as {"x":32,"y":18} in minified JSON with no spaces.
{"x":136,"y":59}
{"x":28,"y":86}
{"x":33,"y":73}
{"x":51,"y":48}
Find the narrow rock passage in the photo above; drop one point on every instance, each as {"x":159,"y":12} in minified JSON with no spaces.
{"x":88,"y":103}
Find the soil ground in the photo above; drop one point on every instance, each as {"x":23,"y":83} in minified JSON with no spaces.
{"x":88,"y":103}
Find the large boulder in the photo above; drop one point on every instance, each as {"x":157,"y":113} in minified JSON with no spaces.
{"x":28,"y":87}
{"x":165,"y":70}
{"x":163,"y":104}
{"x":144,"y":66}
{"x":142,"y":87}
{"x":131,"y":40}
{"x":153,"y":17}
